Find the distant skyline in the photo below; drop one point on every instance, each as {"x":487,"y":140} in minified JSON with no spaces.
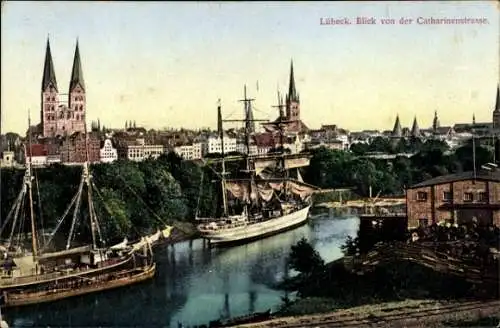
{"x":165,"y":64}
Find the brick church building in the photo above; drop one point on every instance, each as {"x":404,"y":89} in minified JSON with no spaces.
{"x":62,"y":129}
{"x":57,"y":117}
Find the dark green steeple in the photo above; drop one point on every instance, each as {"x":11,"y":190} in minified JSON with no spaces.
{"x":292,"y":92}
{"x":49,"y":76}
{"x":76,"y":73}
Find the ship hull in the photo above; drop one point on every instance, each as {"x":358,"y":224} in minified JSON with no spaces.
{"x":250,"y":232}
{"x":121,"y":279}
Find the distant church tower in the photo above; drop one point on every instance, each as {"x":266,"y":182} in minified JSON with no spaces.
{"x":50,"y":95}
{"x":415,"y":129}
{"x":58,"y":118}
{"x":397,"y":131}
{"x":435,"y":123}
{"x":77,"y":100}
{"x":292,"y":99}
{"x":496,"y":111}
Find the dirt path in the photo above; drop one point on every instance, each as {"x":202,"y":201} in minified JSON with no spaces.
{"x":402,"y":314}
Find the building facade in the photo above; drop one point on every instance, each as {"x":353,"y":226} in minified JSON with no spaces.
{"x":57,"y":117}
{"x":189,"y":152}
{"x":457,"y":198}
{"x":213,"y":145}
{"x":7,"y":159}
{"x":108,"y":152}
{"x":75,"y":148}
{"x":140,"y":152}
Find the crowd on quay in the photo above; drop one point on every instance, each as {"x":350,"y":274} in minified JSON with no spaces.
{"x":478,"y":244}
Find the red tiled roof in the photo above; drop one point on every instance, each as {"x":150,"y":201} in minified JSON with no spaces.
{"x":37,"y":150}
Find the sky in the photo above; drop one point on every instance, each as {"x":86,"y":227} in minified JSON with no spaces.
{"x":165,"y":64}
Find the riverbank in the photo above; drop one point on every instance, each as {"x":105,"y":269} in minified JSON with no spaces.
{"x":394,"y":274}
{"x":421,"y":313}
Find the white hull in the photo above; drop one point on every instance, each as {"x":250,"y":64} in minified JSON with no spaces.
{"x":256,"y":230}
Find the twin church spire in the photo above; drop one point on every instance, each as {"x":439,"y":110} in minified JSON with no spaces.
{"x":49,"y":75}
{"x":59,"y":118}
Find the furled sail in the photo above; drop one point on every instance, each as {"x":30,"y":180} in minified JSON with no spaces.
{"x":239,"y":189}
{"x":272,"y":162}
{"x":262,"y":162}
{"x":121,"y":245}
{"x":265,"y":192}
{"x":147,"y":240}
{"x":303,"y":190}
{"x":266,"y":189}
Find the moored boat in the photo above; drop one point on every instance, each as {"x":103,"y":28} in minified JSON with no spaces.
{"x":45,"y":273}
{"x":267,"y":200}
{"x":241,"y":320}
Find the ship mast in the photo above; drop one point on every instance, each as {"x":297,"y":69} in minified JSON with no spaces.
{"x":281,"y":124}
{"x":87,"y":177}
{"x":248,"y":121}
{"x":281,"y":121}
{"x":28,"y":181}
{"x":248,"y":108}
{"x":223,"y":179}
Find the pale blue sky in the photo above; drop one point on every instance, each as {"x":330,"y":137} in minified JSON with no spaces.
{"x":166,"y":64}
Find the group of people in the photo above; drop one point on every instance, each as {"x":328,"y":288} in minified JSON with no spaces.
{"x":479,"y":244}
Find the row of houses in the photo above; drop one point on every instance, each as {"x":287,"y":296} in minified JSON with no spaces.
{"x":136,"y":146}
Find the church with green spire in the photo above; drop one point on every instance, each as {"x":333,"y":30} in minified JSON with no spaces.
{"x":59,"y":117}
{"x":292,"y":121}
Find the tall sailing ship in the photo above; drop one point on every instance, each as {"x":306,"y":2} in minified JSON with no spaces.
{"x":33,"y":270}
{"x":265,"y":198}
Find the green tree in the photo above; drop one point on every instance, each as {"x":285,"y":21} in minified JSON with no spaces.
{"x":114,"y":215}
{"x":305,"y":259}
{"x":359,"y":149}
{"x":465,"y":155}
{"x":381,"y":144}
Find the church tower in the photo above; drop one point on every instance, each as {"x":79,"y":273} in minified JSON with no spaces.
{"x":292,"y":99}
{"x":496,"y":111}
{"x":435,"y":123}
{"x":50,"y":95}
{"x":397,"y":131}
{"x":77,"y":102}
{"x":57,"y":118}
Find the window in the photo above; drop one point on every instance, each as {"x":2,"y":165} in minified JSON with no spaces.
{"x":422,"y":196}
{"x":468,"y":197}
{"x":447,"y":196}
{"x":483,"y":196}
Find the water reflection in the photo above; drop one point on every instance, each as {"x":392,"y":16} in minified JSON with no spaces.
{"x":195,"y":283}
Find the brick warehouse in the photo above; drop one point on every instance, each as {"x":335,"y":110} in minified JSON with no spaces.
{"x":455,"y":198}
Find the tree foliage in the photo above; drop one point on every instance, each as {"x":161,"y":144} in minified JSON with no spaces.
{"x":131,"y":198}
{"x":339,"y":169}
{"x":142,"y":196}
{"x":305,"y":259}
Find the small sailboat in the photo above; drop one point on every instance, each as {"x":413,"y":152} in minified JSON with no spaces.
{"x":30,"y":275}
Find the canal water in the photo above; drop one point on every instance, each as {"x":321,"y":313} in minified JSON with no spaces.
{"x":195,"y":284}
